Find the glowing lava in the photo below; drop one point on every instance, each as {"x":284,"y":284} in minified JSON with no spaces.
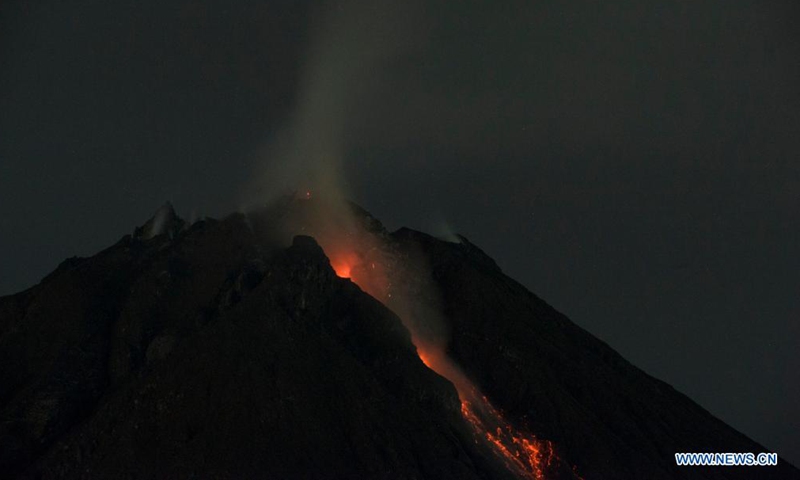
{"x":356,"y":255}
{"x":343,"y":264}
{"x":521,"y":452}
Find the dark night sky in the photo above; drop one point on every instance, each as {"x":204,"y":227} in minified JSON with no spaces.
{"x":636,"y":164}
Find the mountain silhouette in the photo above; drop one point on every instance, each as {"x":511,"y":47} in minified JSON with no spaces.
{"x":303,"y":340}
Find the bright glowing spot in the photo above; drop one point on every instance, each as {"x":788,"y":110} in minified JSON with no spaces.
{"x":344,"y":264}
{"x":341,"y":268}
{"x":425,"y":359}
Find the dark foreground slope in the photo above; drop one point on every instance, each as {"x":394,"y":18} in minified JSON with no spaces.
{"x":207,"y":351}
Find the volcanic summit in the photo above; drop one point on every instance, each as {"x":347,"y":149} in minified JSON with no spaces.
{"x":303,"y":340}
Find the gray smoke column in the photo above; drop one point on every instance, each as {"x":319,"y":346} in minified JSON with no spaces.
{"x":348,"y":43}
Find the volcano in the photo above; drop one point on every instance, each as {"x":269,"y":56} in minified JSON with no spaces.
{"x":304,"y":340}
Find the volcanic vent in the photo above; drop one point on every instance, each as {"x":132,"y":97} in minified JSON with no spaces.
{"x":303,"y":340}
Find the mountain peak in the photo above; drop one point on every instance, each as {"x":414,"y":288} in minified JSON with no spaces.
{"x":163,"y":222}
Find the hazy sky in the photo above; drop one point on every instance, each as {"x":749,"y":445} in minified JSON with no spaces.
{"x":636,"y":164}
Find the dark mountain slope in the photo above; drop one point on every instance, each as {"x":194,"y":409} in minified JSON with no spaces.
{"x":227,"y":349}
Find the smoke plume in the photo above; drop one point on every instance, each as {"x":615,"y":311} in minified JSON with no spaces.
{"x":348,"y":43}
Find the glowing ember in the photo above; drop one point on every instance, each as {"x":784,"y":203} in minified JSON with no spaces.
{"x":302,"y":195}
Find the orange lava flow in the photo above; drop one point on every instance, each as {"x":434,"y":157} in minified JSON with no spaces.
{"x":522,"y":453}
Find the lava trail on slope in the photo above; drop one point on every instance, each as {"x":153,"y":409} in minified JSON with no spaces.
{"x":400,"y":282}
